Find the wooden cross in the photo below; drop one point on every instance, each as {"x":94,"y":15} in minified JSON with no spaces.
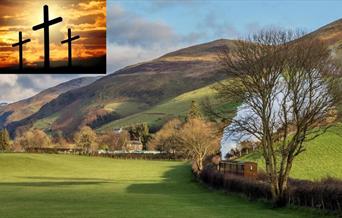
{"x":69,"y":40}
{"x":20,"y":44}
{"x":45,"y":25}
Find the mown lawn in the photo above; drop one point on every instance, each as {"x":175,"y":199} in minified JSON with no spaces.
{"x":35,"y":185}
{"x":322,"y":157}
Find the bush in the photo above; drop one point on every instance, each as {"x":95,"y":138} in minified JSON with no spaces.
{"x":325,"y":194}
{"x":160,"y":156}
{"x":253,"y":189}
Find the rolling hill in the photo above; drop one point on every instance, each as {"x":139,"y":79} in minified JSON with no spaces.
{"x":148,"y":91}
{"x":322,"y":157}
{"x":175,"y":107}
{"x":130,"y":90}
{"x":24,"y":108}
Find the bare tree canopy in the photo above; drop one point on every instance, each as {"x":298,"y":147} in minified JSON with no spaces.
{"x":288,"y":88}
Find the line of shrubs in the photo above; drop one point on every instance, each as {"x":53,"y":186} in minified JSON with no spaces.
{"x":325,"y":194}
{"x":137,"y":156}
{"x":160,"y":156}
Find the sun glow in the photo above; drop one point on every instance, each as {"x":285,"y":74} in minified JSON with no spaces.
{"x":75,"y":14}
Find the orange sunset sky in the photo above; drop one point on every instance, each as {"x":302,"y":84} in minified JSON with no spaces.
{"x":86,"y":18}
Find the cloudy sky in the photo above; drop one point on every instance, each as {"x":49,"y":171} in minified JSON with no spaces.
{"x":143,"y":30}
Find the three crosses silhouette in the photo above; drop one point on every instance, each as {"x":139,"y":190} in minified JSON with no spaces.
{"x":45,"y":25}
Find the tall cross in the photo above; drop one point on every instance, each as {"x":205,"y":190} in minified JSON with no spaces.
{"x":69,"y":40}
{"x":45,"y":25}
{"x":20,"y":44}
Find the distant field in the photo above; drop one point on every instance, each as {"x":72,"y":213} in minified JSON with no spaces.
{"x":322,"y":157}
{"x":46,"y":122}
{"x":125,"y":107}
{"x":61,"y":186}
{"x":174,"y":107}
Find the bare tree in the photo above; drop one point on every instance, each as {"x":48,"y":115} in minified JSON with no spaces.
{"x":114,"y":141}
{"x":198,"y":139}
{"x":287,"y":87}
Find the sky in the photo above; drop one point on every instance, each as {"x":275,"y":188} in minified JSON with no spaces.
{"x":142,"y":30}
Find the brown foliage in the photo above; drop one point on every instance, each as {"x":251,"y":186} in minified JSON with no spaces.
{"x":86,"y":139}
{"x":33,"y":138}
{"x":198,"y":139}
{"x":114,"y":141}
{"x":325,"y":194}
{"x":166,"y":139}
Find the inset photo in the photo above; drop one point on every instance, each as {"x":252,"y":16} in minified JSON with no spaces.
{"x":53,"y":37}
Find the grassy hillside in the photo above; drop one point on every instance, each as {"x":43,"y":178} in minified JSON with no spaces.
{"x":24,"y":108}
{"x":174,"y":107}
{"x":34,"y":185}
{"x":146,"y":84}
{"x":322,"y":157}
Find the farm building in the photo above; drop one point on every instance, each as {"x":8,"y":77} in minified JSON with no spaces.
{"x":134,"y":145}
{"x":241,"y":168}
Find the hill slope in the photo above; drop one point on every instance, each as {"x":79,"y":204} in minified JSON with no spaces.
{"x":322,"y":157}
{"x":141,"y":86}
{"x":127,"y":93}
{"x":174,"y":107}
{"x":24,"y":108}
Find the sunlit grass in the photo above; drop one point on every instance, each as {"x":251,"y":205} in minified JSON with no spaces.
{"x":42,"y":185}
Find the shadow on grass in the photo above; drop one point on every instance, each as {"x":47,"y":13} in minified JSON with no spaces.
{"x":179,"y":185}
{"x":177,"y":180}
{"x":52,"y":183}
{"x":66,"y":181}
{"x":62,"y":178}
{"x":56,"y":181}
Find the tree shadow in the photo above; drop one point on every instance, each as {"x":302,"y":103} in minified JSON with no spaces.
{"x":56,"y":181}
{"x":177,"y":180}
{"x":50,"y":184}
{"x":62,"y":178}
{"x":64,"y":181}
{"x":180,"y":188}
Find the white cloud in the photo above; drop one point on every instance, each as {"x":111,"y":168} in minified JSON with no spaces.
{"x":132,"y":38}
{"x":15,"y":87}
{"x":8,"y":79}
{"x":119,"y":56}
{"x":11,"y":91}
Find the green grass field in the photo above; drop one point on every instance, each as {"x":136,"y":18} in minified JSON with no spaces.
{"x":35,"y":185}
{"x":322,"y":157}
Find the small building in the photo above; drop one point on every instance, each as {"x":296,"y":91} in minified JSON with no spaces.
{"x":242,"y":168}
{"x":134,"y":145}
{"x":117,"y":130}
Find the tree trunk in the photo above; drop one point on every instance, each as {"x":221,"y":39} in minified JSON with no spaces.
{"x":199,"y":164}
{"x":281,"y":199}
{"x":279,"y":186}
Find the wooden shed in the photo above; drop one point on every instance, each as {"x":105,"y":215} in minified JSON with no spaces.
{"x":242,"y":168}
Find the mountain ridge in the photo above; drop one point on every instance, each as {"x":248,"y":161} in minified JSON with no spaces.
{"x":141,"y":86}
{"x":21,"y":109}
